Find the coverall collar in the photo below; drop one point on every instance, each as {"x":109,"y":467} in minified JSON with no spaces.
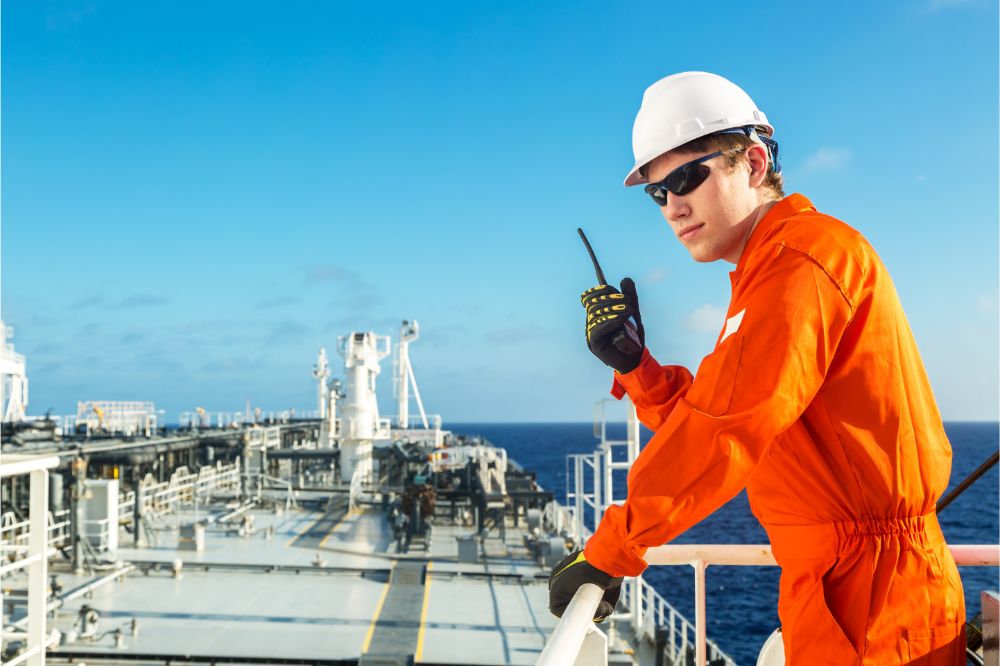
{"x":787,"y":207}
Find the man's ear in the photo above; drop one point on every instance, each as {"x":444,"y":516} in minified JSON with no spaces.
{"x":757,"y":159}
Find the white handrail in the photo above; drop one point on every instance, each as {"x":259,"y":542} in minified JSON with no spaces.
{"x":565,"y":642}
{"x":564,"y":646}
{"x":968,"y":555}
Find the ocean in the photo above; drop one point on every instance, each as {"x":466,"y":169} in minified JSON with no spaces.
{"x":742,"y":601}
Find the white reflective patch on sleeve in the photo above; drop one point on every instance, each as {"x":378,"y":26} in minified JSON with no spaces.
{"x":732,"y":325}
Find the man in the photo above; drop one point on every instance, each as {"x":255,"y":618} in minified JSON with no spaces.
{"x":814,"y":399}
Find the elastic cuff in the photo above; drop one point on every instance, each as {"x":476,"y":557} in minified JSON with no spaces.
{"x":607,"y":551}
{"x":646,"y":373}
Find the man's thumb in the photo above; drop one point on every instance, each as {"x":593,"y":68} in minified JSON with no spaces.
{"x":628,"y":290}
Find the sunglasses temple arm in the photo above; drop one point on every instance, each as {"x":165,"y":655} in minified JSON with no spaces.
{"x":590,"y":251}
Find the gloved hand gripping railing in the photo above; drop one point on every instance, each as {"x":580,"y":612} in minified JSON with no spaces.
{"x":576,"y":639}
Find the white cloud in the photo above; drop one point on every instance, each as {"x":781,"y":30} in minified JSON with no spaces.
{"x":826,"y":159}
{"x":705,"y":319}
{"x":987,"y":303}
{"x":658,"y":274}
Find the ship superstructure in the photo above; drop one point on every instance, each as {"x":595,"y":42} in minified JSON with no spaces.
{"x":341,"y":536}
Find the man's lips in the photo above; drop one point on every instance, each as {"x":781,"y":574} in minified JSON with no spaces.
{"x":688,"y":232}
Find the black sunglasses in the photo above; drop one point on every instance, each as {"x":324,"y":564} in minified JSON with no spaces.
{"x":682,"y":180}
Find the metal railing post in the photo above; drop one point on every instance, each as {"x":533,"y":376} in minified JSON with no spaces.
{"x":673,"y":633}
{"x":636,"y":604}
{"x":578,"y":482}
{"x":609,"y":492}
{"x":38,"y":570}
{"x":699,"y":610}
{"x":596,"y":458}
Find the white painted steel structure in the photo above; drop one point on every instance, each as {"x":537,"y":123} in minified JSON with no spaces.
{"x":31,"y":556}
{"x":492,"y":464}
{"x":327,"y":396}
{"x":13,"y":379}
{"x":116,"y":417}
{"x":321,"y":372}
{"x":14,"y":531}
{"x":361,"y":424}
{"x":591,"y":488}
{"x":700,"y":556}
{"x":422,"y":426}
{"x":408,"y":332}
{"x":203,"y":419}
{"x":576,"y":640}
{"x":590,"y":477}
{"x":182,"y":487}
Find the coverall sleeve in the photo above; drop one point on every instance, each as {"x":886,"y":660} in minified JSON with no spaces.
{"x":653,"y":388}
{"x":756,"y":383}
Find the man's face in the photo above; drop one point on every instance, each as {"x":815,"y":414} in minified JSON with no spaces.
{"x":714,"y":221}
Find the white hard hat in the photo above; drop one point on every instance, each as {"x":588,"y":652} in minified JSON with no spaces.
{"x":684,"y":107}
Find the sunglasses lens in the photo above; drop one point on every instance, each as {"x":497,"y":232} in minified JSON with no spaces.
{"x":657,"y":193}
{"x":680,"y":181}
{"x":685,"y":179}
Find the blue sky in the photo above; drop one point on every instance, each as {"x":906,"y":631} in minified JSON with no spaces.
{"x":196,"y":196}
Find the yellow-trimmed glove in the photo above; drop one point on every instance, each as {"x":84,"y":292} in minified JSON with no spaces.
{"x":572,"y":572}
{"x":611,"y":337}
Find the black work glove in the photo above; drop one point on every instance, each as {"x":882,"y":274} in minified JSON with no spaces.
{"x":567,"y":577}
{"x":611,"y":337}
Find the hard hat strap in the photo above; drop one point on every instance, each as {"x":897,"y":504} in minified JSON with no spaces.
{"x":772,"y":148}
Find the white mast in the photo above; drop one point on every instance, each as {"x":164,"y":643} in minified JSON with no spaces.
{"x":321,"y":372}
{"x":362,"y":353}
{"x":408,"y":332}
{"x":13,"y":379}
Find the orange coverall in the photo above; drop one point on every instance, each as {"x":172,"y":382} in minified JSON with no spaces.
{"x":816,"y":401}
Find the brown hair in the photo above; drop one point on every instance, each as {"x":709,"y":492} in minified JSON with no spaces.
{"x":733,"y":148}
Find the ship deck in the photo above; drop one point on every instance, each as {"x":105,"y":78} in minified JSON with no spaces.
{"x":313,"y":586}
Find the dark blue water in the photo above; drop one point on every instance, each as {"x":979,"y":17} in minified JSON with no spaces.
{"x":742,"y":601}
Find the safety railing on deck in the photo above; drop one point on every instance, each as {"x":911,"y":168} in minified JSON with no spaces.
{"x":32,"y":558}
{"x":263,"y":438}
{"x":158,"y":498}
{"x":649,"y":611}
{"x":566,"y":644}
{"x":183,"y":486}
{"x":14,"y":532}
{"x":418,"y":422}
{"x":352,"y":429}
{"x":285,"y":485}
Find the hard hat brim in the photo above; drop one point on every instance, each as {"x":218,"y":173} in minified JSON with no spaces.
{"x":635,"y":176}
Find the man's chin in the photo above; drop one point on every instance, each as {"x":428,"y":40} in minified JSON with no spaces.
{"x":701,"y":256}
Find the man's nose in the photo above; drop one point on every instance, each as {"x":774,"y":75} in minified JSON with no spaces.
{"x":676,"y":209}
